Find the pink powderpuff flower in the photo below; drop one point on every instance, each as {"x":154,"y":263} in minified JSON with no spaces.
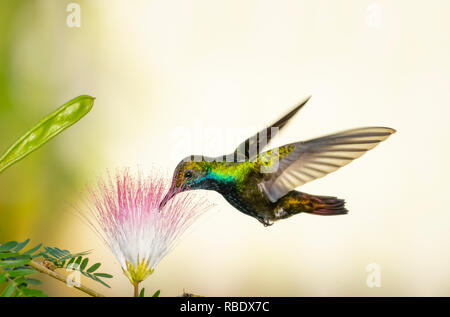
{"x":124,"y":212}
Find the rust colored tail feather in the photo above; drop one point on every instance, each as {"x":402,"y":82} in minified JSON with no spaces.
{"x":329,"y":206}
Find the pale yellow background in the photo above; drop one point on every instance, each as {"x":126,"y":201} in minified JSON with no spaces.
{"x":158,"y":66}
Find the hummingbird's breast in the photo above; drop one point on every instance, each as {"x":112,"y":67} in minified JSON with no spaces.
{"x":248,"y":200}
{"x":238,"y":184}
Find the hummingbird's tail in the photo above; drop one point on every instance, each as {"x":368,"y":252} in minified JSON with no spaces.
{"x":296,"y":202}
{"x":329,"y":206}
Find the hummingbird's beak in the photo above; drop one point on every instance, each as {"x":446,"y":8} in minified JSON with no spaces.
{"x":166,"y":198}
{"x":173,"y":190}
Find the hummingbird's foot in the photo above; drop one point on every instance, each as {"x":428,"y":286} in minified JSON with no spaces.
{"x":266,"y":222}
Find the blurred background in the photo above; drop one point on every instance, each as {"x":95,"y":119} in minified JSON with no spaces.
{"x":161,"y":67}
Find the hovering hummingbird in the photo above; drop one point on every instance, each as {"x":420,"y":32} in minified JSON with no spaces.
{"x":262,"y":184}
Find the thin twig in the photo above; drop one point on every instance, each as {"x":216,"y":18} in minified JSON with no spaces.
{"x":41,"y":268}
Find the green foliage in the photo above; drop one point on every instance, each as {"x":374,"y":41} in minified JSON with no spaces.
{"x":14,"y":270}
{"x":64,"y":259}
{"x":142,"y":293}
{"x":157,"y":293}
{"x":14,"y":264}
{"x":46,"y":129}
{"x":15,"y":267}
{"x":59,"y":257}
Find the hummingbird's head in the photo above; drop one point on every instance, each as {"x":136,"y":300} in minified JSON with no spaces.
{"x":188,"y":175}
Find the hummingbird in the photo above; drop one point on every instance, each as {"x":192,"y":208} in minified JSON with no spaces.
{"x":262,"y":184}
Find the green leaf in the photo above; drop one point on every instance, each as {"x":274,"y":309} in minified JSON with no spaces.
{"x":67,"y":255}
{"x":83,"y":264}
{"x":7,"y":255}
{"x":78,"y":260}
{"x":94,"y":267}
{"x":157,"y":293}
{"x":21,"y":245}
{"x":33,"y":281}
{"x":36,"y":255}
{"x":95,"y":278}
{"x":52,"y":252}
{"x":31,"y":251}
{"x":141,"y":294}
{"x":105,"y":275}
{"x":33,"y":292}
{"x":22,"y":272}
{"x":46,"y":129}
{"x":20,"y":282}
{"x":9,"y":290}
{"x":19,"y":261}
{"x":70,"y":262}
{"x":3,"y":278}
{"x":8,"y":246}
{"x":60,"y":252}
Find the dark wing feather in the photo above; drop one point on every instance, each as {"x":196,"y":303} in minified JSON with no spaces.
{"x":255,"y":144}
{"x":316,"y":158}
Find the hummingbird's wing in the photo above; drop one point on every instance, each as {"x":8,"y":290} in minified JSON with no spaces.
{"x":302,"y":162}
{"x":255,"y":144}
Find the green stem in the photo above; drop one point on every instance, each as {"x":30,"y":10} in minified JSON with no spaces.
{"x":136,"y":289}
{"x":41,"y":268}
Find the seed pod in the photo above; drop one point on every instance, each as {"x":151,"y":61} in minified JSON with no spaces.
{"x":46,"y":129}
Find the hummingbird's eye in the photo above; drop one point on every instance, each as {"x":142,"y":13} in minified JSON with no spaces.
{"x":188,"y":174}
